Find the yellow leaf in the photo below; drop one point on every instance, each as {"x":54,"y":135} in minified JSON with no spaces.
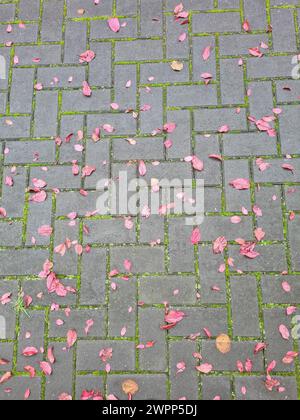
{"x":130,"y":387}
{"x":223,"y":343}
{"x":177,"y":65}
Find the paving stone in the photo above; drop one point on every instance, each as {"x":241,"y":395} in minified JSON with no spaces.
{"x":214,"y":119}
{"x":278,"y":347}
{"x":75,"y":101}
{"x":292,"y":198}
{"x":61,"y":379}
{"x":236,"y":199}
{"x":20,"y":127}
{"x":276,"y":173}
{"x":29,"y":9}
{"x":289,"y":140}
{"x":153,"y":358}
{"x":145,"y":148}
{"x":256,"y":13}
{"x":47,"y":54}
{"x":152,"y":387}
{"x":39,"y":214}
{"x":53,"y":11}
{"x":245,"y":315}
{"x":277,"y":66}
{"x":56,"y":177}
{"x":215,"y":320}
{"x":213,"y":387}
{"x":30,"y":261}
{"x":11,"y":234}
{"x":256,"y":389}
{"x":19,"y":385}
{"x":248,"y":144}
{"x":212,"y":281}
{"x":125,"y":96}
{"x":75,"y":41}
{"x":283,"y":30}
{"x":261,"y":99}
{"x":139,"y":50}
{"x":172,"y":289}
{"x":18,"y":35}
{"x":30,"y":152}
{"x":88,"y":382}
{"x":46,"y":114}
{"x":67,"y":264}
{"x":181,"y":138}
{"x":271,"y":258}
{"x":232,"y":82}
{"x":294,"y":242}
{"x":21,"y":93}
{"x":272,"y":219}
{"x":58,"y":77}
{"x":273,"y":291}
{"x":200,"y":66}
{"x":139,"y":256}
{"x":240,"y":44}
{"x":225,"y":22}
{"x":101,"y":30}
{"x":184,"y":96}
{"x":38,"y":291}
{"x":77,"y":321}
{"x":93,"y":277}
{"x":123,"y":355}
{"x":228,"y":362}
{"x":184,"y":384}
{"x":110,"y":231}
{"x":7,"y":311}
{"x":91,"y":10}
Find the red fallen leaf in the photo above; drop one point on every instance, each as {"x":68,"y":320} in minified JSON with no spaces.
{"x":88,"y":325}
{"x":114,"y":24}
{"x":128,"y":265}
{"x":2,"y":212}
{"x":240,"y":184}
{"x":240,"y":366}
{"x":86,"y":90}
{"x":248,"y":366}
{"x":259,"y":347}
{"x":196,"y":236}
{"x":142,"y":168}
{"x":50,"y":355}
{"x":255,"y":52}
{"x":106,"y":354}
{"x":259,"y":234}
{"x":173,"y":317}
{"x":6,"y":298}
{"x":45,"y":230}
{"x":30,"y":351}
{"x":290,"y":357}
{"x":71,"y":338}
{"x":88,"y":170}
{"x":286,"y":287}
{"x":169,"y":127}
{"x":285,"y":334}
{"x":219,"y":245}
{"x":65,"y":397}
{"x":27,"y":394}
{"x":206,"y":53}
{"x":246,"y":26}
{"x":223,"y":129}
{"x":6,"y":377}
{"x":216,"y":157}
{"x":198,"y":164}
{"x":46,"y":368}
{"x":3,"y":362}
{"x":291,"y":310}
{"x":87,"y":56}
{"x":39,"y":197}
{"x":247,"y":249}
{"x":205,"y":368}
{"x":30,"y":370}
{"x":271,"y":366}
{"x":288,"y":167}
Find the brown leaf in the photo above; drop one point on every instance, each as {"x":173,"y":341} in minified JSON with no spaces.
{"x":130,"y":387}
{"x":223,"y":344}
{"x":177,"y":65}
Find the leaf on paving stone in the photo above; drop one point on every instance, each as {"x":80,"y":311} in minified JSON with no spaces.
{"x":71,"y":338}
{"x":177,"y":66}
{"x":205,"y":368}
{"x":6,"y":377}
{"x":223,"y":343}
{"x":206,"y":53}
{"x":130,"y":387}
{"x":240,"y":184}
{"x":114,"y":24}
{"x":196,"y":236}
{"x":46,"y":368}
{"x":285,"y":334}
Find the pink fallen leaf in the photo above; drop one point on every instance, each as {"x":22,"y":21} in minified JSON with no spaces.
{"x":285,"y":334}
{"x":173,"y":317}
{"x":196,"y":236}
{"x":142,"y":168}
{"x":259,"y":234}
{"x":198,"y":164}
{"x":46,"y":368}
{"x":6,"y":377}
{"x":206,"y":53}
{"x":45,"y":230}
{"x":219,"y":245}
{"x":240,"y":184}
{"x":86,"y":90}
{"x":128,"y":265}
{"x":205,"y":368}
{"x":71,"y":338}
{"x":114,"y":24}
{"x":87,"y":56}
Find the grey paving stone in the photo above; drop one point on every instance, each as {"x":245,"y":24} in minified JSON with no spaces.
{"x":225,"y":22}
{"x":219,"y":387}
{"x":294,"y":242}
{"x":153,"y":358}
{"x":58,"y":77}
{"x":38,"y":291}
{"x":248,"y":144}
{"x":145,"y":148}
{"x":256,"y":389}
{"x":214,"y":119}
{"x":183,"y":384}
{"x":52,"y":21}
{"x":56,"y":177}
{"x":272,"y":219}
{"x":288,"y":133}
{"x":255,"y":12}
{"x":236,"y":199}
{"x":123,"y":355}
{"x":18,"y":386}
{"x":93,"y":278}
{"x":152,"y":387}
{"x":273,"y":291}
{"x":232,"y":82}
{"x":276,"y":173}
{"x":30,"y":261}
{"x":283,"y":30}
{"x":101,"y":30}
{"x":11,"y":234}
{"x":8,"y":311}
{"x":91,"y":10}
{"x":30,"y":152}
{"x":18,"y":35}
{"x":88,"y":382}
{"x":228,"y":362}
{"x":292,"y":198}
{"x":46,"y":114}
{"x":75,"y":41}
{"x":240,"y":44}
{"x":181,"y":138}
{"x":172,"y":289}
{"x":261,"y":99}
{"x":29,"y":9}
{"x":184,"y":96}
{"x":109,"y":231}
{"x":75,"y":101}
{"x":139,"y":256}
{"x":46,"y":54}
{"x":18,"y":127}
{"x":125,"y":96}
{"x":21,"y":93}
{"x":245,"y":310}
{"x":139,"y":50}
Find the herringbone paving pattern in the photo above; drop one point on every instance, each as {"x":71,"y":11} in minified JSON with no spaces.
{"x":96,"y":290}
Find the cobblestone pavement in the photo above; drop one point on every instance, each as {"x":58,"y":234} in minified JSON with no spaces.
{"x":203,"y":90}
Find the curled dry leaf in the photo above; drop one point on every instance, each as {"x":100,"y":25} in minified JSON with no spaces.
{"x":223,"y":343}
{"x":177,"y":65}
{"x":130,"y":387}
